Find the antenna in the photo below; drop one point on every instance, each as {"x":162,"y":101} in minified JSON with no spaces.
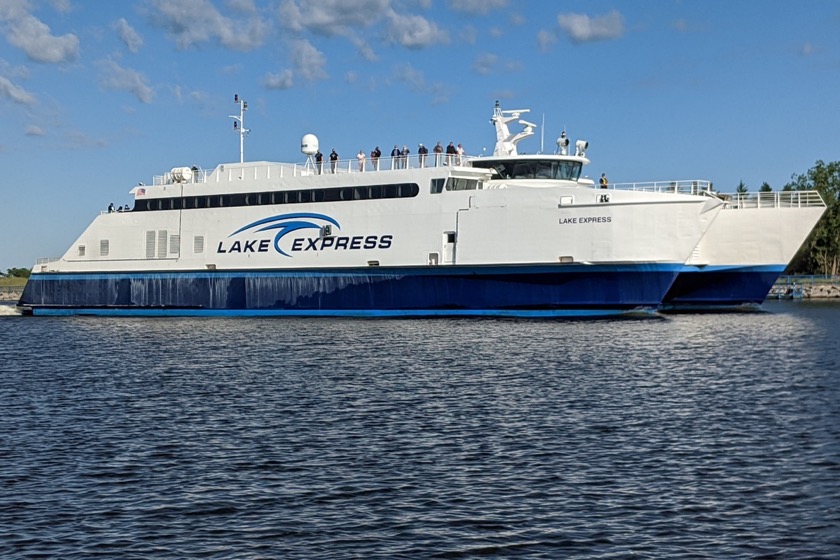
{"x":542,"y":135}
{"x":239,"y":125}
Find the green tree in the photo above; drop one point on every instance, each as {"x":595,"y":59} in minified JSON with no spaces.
{"x":820,"y":254}
{"x":765,"y":187}
{"x":18,"y":272}
{"x":742,"y":188}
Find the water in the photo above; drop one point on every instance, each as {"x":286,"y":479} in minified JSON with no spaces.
{"x":703,"y":436}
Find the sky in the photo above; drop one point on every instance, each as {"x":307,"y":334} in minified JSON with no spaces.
{"x":97,"y":96}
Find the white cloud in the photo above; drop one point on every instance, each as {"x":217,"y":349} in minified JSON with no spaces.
{"x":192,"y":22}
{"x":15,"y":93}
{"x":581,"y":28}
{"x":414,"y":32}
{"x":283,"y":80}
{"x":411,"y":76}
{"x":469,"y":34}
{"x":415,"y":80}
{"x":308,"y":61}
{"x":485,"y":63}
{"x":545,"y":39}
{"x":34,"y":37}
{"x":33,"y":130}
{"x":517,"y":19}
{"x":128,"y":35}
{"x":807,"y":49}
{"x":363,"y":48}
{"x":62,"y":6}
{"x":11,"y":10}
{"x":125,"y":79}
{"x":482,"y":7}
{"x":331,"y":17}
{"x":244,"y":6}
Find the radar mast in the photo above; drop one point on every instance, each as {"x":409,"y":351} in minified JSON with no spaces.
{"x":239,"y":125}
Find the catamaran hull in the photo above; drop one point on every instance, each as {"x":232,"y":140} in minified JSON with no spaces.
{"x":518,"y":290}
{"x":744,"y":252}
{"x":721,"y":287}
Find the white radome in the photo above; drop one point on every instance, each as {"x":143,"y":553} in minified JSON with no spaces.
{"x":309,"y":144}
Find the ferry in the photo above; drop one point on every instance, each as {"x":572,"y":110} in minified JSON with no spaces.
{"x":745,"y":250}
{"x":430,"y":235}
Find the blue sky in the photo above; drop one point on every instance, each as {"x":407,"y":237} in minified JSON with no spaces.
{"x":96,"y":96}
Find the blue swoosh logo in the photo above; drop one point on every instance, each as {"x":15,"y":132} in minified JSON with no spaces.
{"x":286,"y":224}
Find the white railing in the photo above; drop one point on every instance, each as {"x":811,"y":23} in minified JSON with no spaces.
{"x":236,"y":172}
{"x":777,"y":199}
{"x":772,"y":199}
{"x":693,"y":186}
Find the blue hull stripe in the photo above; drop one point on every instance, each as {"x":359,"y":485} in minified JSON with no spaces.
{"x":721,"y":286}
{"x":520,"y":290}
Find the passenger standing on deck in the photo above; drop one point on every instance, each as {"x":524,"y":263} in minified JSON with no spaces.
{"x":603,"y":181}
{"x":451,"y":152}
{"x":404,"y":156}
{"x":333,"y":160}
{"x":395,"y":157}
{"x":460,"y":151}
{"x":422,"y":150}
{"x":361,"y":157}
{"x":438,"y":150}
{"x":319,"y":162}
{"x":374,"y":158}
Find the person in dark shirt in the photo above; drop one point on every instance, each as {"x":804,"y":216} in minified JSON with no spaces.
{"x":438,"y":150}
{"x":422,"y":150}
{"x":451,"y":152}
{"x":374,"y":158}
{"x":395,"y":157}
{"x":603,"y":180}
{"x":333,"y":160}
{"x":319,"y":162}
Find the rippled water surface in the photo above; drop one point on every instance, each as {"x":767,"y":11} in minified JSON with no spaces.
{"x":703,"y":436}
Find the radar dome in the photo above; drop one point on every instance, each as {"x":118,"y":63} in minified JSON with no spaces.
{"x":309,"y":144}
{"x":181,"y":174}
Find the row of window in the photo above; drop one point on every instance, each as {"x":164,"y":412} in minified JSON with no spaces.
{"x":335,"y":194}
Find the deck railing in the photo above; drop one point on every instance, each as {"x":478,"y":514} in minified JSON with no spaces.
{"x":777,"y":199}
{"x":692,"y":186}
{"x":236,"y":172}
{"x":772,"y":199}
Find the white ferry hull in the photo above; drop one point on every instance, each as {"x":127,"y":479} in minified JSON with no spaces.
{"x":741,"y":257}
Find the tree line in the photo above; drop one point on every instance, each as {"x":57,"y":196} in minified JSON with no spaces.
{"x":16,"y":273}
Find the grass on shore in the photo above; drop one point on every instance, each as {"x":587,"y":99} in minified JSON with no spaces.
{"x":12,"y":282}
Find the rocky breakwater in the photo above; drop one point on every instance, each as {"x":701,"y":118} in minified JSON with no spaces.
{"x":822,"y":291}
{"x":10,"y":294}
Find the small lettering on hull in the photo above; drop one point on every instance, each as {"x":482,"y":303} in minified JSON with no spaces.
{"x":586,"y":220}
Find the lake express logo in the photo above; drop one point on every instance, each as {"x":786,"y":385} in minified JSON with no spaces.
{"x":289,"y":223}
